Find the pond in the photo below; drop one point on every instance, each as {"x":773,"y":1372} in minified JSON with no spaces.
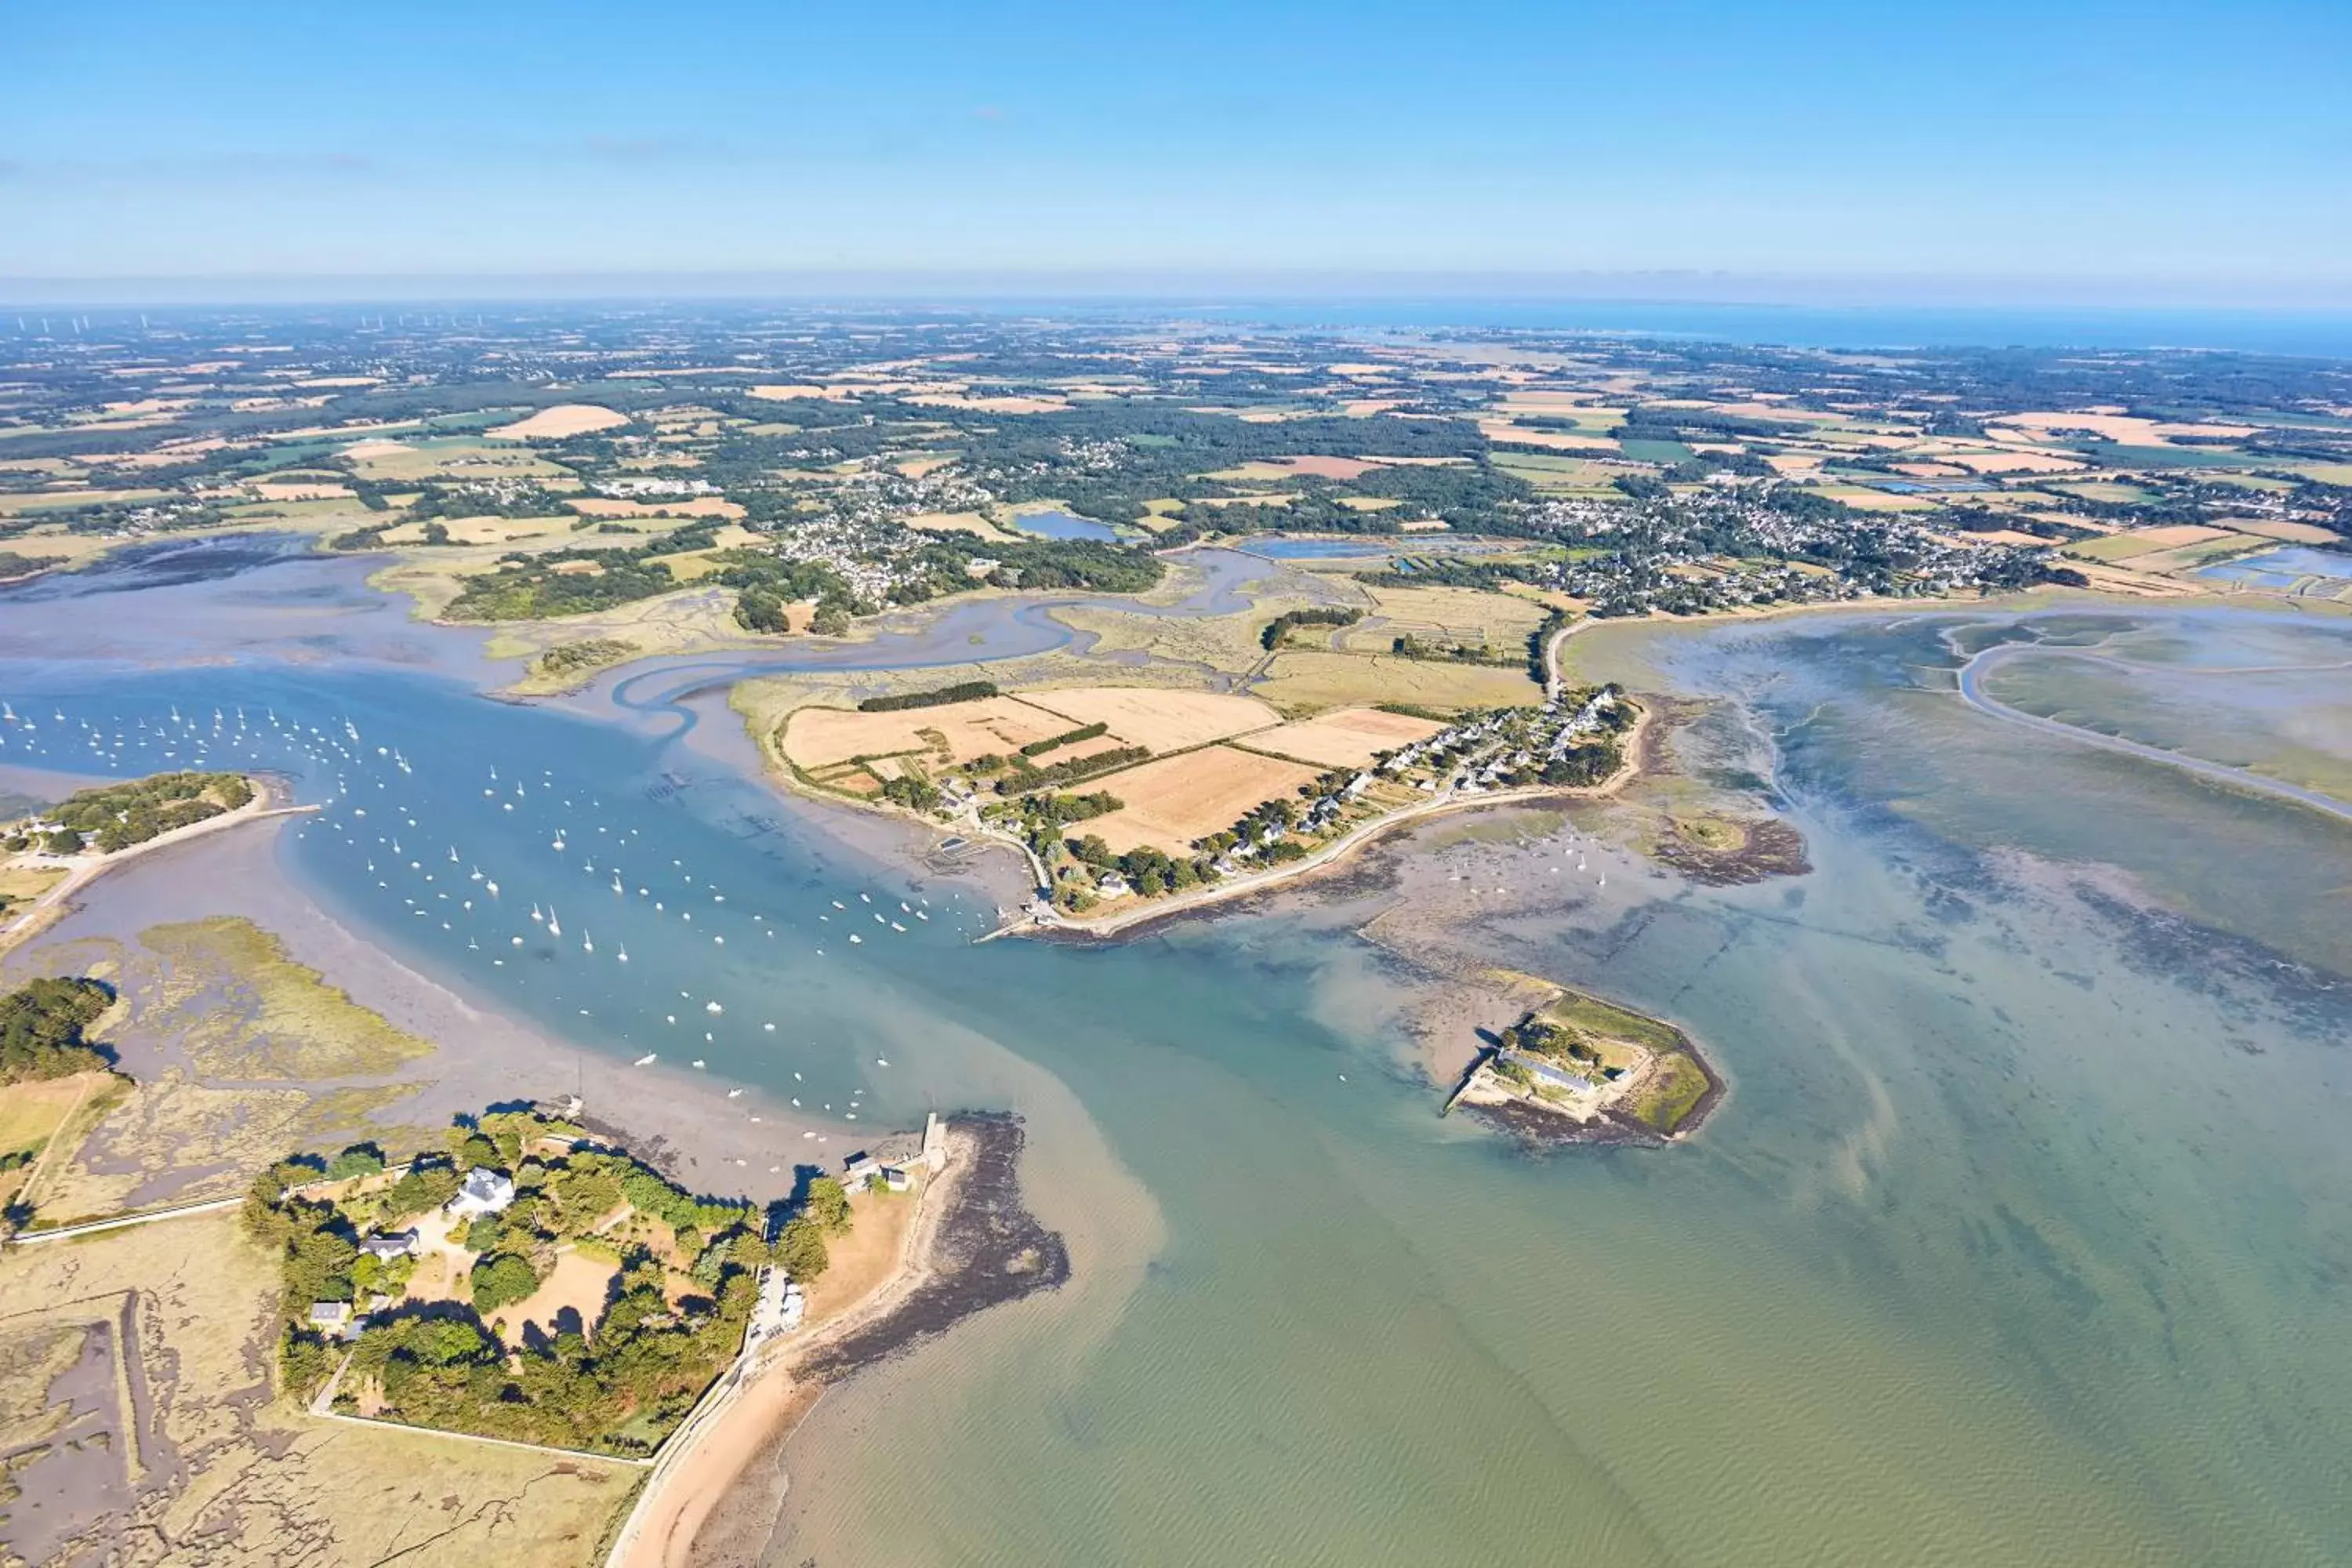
{"x":1063,"y":525}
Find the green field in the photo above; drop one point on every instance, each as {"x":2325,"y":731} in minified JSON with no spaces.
{"x":2114,"y":455}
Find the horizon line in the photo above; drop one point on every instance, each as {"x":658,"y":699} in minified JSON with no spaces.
{"x":1201,"y":288}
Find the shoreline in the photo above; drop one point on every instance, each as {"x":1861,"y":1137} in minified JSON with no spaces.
{"x":54,"y":903}
{"x":946,"y":1270}
{"x":1335,"y":854}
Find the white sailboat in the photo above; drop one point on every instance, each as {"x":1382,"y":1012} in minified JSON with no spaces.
{"x":537,"y":918}
{"x":554,"y":926}
{"x":623,"y":955}
{"x":587,"y":943}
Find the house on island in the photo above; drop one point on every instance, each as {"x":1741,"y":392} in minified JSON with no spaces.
{"x":1550,"y":1073}
{"x":485,"y":1192}
{"x":1112,"y":885}
{"x":862,"y":1170}
{"x":334,"y":1320}
{"x":385,"y":1246}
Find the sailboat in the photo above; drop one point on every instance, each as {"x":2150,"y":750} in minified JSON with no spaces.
{"x":623,"y":955}
{"x":587,"y":943}
{"x":554,"y":926}
{"x":491,"y":888}
{"x":537,"y":919}
{"x":616,"y":884}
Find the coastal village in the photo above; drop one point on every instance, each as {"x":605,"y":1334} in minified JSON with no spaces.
{"x":1185,"y":794}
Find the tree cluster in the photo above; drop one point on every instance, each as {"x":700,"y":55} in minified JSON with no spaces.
{"x":42,"y":1026}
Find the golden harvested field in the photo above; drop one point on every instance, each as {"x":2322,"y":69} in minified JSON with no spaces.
{"x":1304,"y":679}
{"x":1171,"y":801}
{"x":957,"y":731}
{"x":956,"y":522}
{"x":1347,"y":739}
{"x":1862,"y":498}
{"x":563,"y":419}
{"x":666,"y":506}
{"x":1163,"y":721}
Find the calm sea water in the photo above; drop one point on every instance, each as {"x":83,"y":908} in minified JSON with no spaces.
{"x":2020,"y":1240}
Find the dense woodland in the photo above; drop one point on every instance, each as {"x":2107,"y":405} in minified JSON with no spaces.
{"x":43,"y":1025}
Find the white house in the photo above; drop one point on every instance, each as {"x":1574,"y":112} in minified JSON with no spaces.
{"x":386,"y":1245}
{"x":486,"y":1192}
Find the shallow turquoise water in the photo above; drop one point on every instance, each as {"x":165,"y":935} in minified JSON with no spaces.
{"x":2021,"y":1239}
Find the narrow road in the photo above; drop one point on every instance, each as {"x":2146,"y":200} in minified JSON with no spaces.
{"x":123,"y":1222}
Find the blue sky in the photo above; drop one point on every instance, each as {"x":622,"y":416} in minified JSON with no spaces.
{"x":2192,"y":152}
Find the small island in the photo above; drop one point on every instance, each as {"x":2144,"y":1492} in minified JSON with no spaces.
{"x":1580,"y":1069}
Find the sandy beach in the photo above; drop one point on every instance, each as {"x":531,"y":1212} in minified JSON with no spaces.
{"x":943,"y":1271}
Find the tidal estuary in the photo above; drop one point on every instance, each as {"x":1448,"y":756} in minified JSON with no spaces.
{"x":2021,"y":1239}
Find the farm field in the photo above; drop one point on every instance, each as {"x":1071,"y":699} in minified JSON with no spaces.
{"x":453,"y":458}
{"x":1347,"y":739}
{"x":1171,"y":801}
{"x":2145,"y":542}
{"x":563,"y":419}
{"x":952,"y":733}
{"x":1163,"y":721}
